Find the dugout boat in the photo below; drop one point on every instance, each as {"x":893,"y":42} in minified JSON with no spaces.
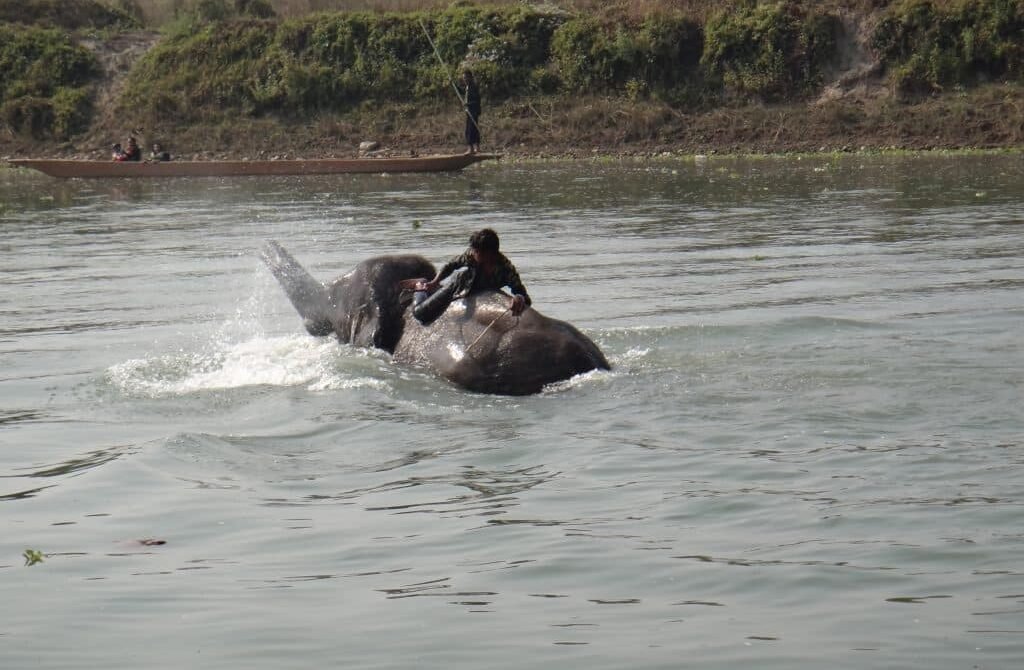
{"x":86,"y":169}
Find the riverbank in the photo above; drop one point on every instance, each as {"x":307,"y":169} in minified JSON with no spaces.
{"x":989,"y":117}
{"x":781,"y":78}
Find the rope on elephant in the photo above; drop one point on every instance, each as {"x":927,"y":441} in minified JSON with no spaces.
{"x":487,"y":328}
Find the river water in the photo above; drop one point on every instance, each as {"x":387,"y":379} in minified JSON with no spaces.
{"x":808,"y":453}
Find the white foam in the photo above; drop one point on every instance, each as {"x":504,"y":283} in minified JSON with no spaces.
{"x":291,"y":360}
{"x":631,"y":356}
{"x":579,"y":381}
{"x":341,"y":382}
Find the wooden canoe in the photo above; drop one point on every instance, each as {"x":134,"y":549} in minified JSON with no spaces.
{"x":96,"y":169}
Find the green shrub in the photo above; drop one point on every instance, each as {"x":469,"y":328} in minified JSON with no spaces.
{"x":454,"y":30}
{"x":65,"y":113}
{"x":213,"y":10}
{"x":928,"y":47}
{"x":771,"y":51}
{"x":671,"y":48}
{"x":43,"y":81}
{"x":257,"y":9}
{"x":72,"y":111}
{"x":543,"y":80}
{"x":529,"y":33}
{"x":340,"y":61}
{"x":133,"y":10}
{"x":220,"y":66}
{"x":29,"y":115}
{"x":660,"y":54}
{"x":584,"y":55}
{"x":67,"y":14}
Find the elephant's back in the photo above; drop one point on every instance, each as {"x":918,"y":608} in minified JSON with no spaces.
{"x":479,"y":344}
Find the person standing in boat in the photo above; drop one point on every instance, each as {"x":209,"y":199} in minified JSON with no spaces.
{"x":481,"y":267}
{"x":472,"y":100}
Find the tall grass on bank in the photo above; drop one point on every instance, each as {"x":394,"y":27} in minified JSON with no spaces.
{"x":160,"y":12}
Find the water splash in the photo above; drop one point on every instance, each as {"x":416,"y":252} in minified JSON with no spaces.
{"x":273,"y":361}
{"x":240,"y":354}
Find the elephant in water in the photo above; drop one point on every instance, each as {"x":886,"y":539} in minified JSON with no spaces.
{"x":477,"y":343}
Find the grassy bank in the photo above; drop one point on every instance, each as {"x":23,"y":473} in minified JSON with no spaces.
{"x":256,"y":77}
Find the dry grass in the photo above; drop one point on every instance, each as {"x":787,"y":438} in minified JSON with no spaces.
{"x":159,"y":12}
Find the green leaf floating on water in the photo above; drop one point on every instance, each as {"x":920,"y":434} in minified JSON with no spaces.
{"x":33,"y":556}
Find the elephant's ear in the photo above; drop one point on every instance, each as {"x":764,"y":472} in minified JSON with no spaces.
{"x":309,"y":296}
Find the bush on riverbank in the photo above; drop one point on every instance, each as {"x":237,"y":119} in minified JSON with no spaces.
{"x":337,"y":62}
{"x":66,"y":14}
{"x":659,"y":55}
{"x":929,"y":46}
{"x":44,"y":78}
{"x":772,"y":52}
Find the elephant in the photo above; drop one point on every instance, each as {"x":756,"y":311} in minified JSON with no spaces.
{"x":477,"y":343}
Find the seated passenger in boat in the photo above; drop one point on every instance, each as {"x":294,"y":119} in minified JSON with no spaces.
{"x":481,"y":267}
{"x":132,"y":152}
{"x":158,"y":154}
{"x":117,"y":153}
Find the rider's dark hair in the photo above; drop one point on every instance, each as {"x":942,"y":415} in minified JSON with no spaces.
{"x":484,"y":240}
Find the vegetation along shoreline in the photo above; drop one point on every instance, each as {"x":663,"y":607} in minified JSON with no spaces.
{"x":289,"y":79}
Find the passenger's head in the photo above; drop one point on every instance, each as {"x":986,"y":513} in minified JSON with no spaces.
{"x":484,"y":241}
{"x":467,"y":75}
{"x":132,"y":142}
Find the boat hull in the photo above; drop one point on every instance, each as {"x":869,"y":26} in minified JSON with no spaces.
{"x":106,"y":169}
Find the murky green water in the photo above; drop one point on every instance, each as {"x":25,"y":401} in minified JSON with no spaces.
{"x":808,"y":453}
